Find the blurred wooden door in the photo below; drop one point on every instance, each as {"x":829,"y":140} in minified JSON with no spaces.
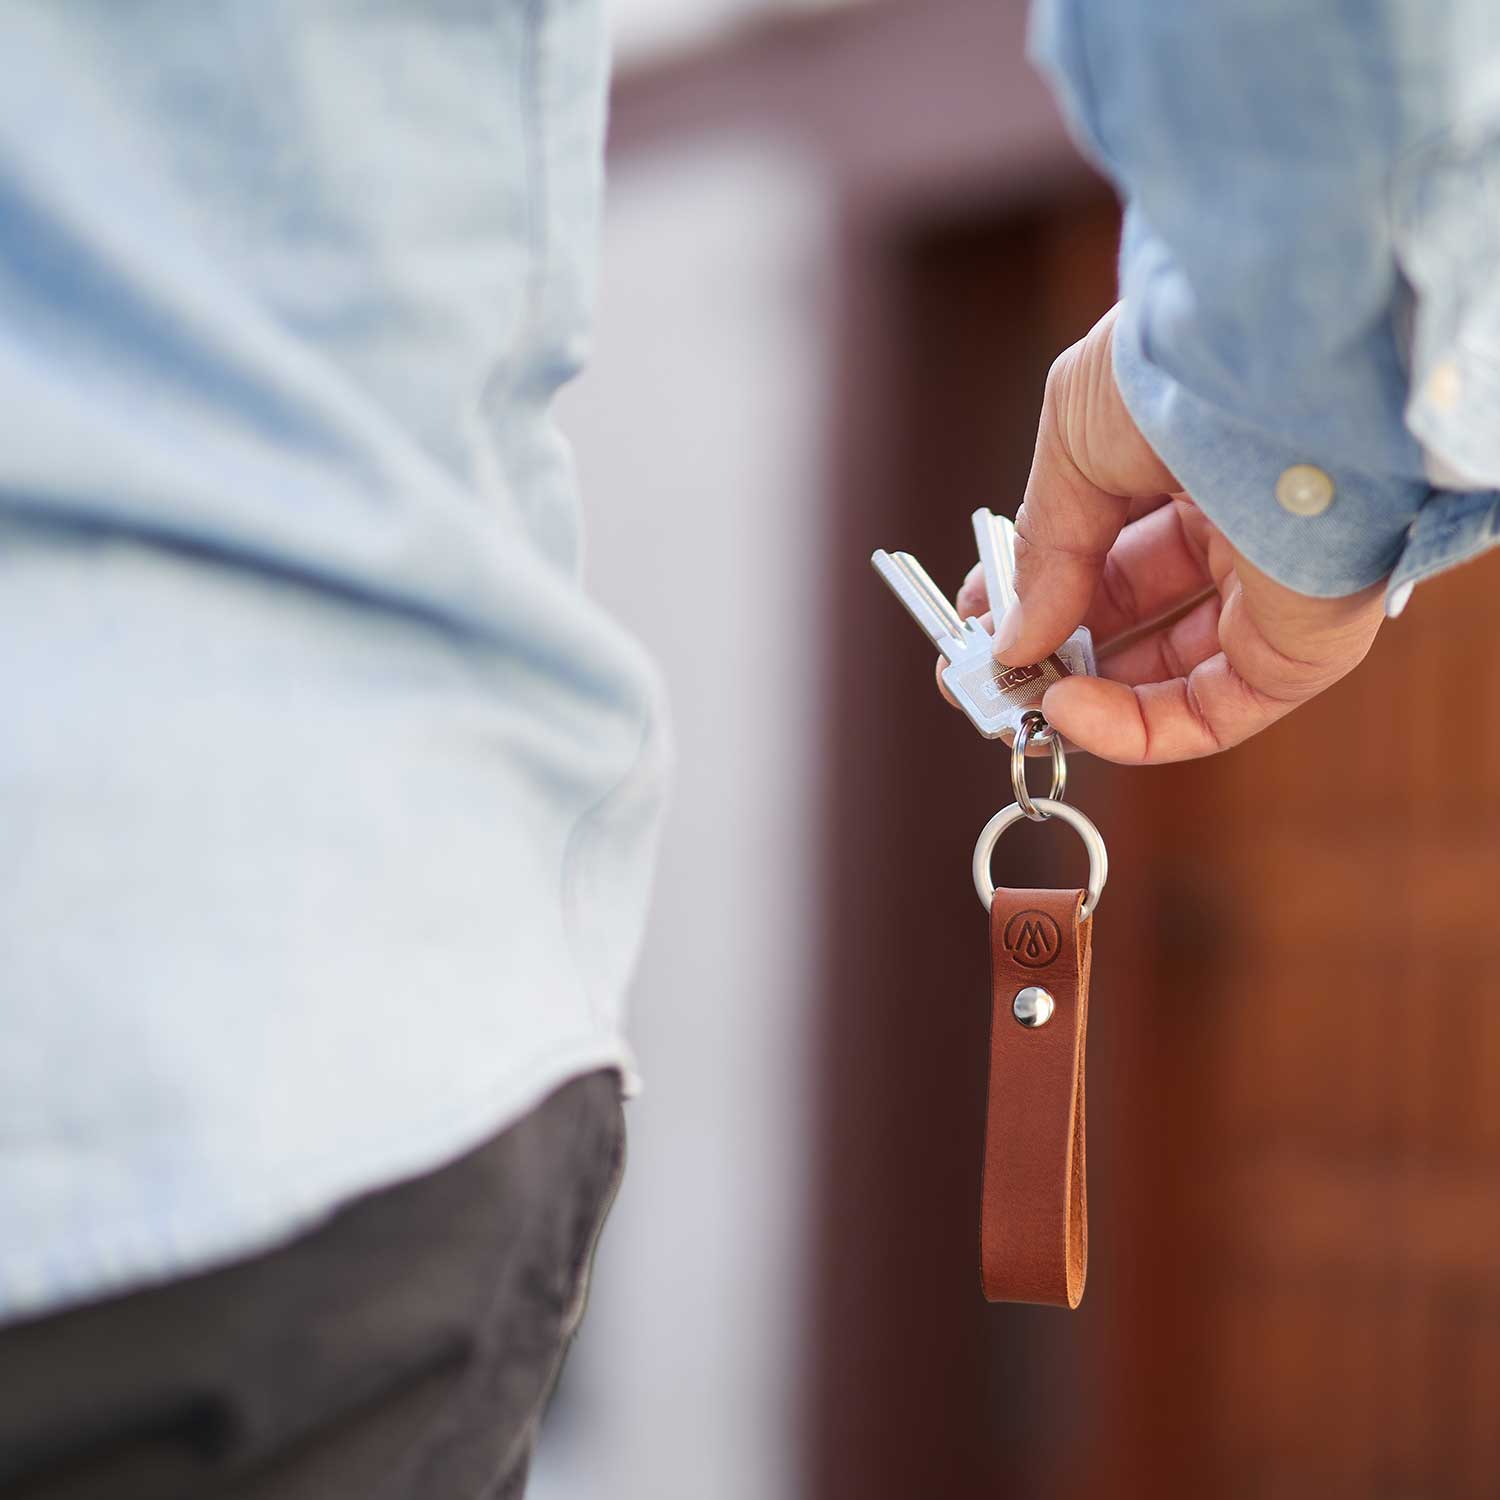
{"x":1295,"y":1035}
{"x":1332,"y":1040}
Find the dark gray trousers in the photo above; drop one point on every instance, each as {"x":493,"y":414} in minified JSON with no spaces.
{"x":406,"y":1348}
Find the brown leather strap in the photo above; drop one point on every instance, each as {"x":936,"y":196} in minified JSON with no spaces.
{"x":1034,"y":1233}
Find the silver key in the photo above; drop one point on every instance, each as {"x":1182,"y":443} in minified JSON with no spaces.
{"x":989,"y":693}
{"x":996,"y":539}
{"x":993,"y":695}
{"x":927,"y":604}
{"x":996,"y":536}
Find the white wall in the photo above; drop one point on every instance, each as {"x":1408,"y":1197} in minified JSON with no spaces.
{"x":697,"y":431}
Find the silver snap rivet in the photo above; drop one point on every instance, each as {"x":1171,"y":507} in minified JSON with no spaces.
{"x":1033,"y":1006}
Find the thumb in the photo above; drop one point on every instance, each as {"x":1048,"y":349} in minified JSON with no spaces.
{"x":1090,"y":461}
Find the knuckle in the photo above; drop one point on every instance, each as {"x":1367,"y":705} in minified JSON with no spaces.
{"x":1056,"y":528}
{"x":1282,"y":676}
{"x":1119,"y":590}
{"x":1059,"y":374}
{"x":1172,"y":664}
{"x":1213,"y":736}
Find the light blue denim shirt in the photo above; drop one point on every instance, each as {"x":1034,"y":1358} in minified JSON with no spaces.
{"x":1310,"y":264}
{"x":327,"y":798}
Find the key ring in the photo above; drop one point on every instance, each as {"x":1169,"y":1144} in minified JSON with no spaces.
{"x":1035,"y":727}
{"x":1007,"y":817}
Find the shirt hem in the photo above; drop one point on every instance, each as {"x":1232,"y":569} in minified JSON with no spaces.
{"x":145,"y":1253}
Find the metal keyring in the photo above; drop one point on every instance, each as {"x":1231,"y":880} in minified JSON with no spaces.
{"x":1093,"y":841}
{"x":1034,"y":727}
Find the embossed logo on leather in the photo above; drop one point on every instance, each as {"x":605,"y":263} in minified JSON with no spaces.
{"x":1032,"y":938}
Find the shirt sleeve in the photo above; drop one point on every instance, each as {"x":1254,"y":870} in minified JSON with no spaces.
{"x":1308,"y":337}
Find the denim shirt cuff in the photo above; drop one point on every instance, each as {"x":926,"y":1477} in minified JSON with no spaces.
{"x":1451,"y":528}
{"x":1231,"y":470}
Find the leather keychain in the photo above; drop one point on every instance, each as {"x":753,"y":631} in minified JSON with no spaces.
{"x":1033,"y":1219}
{"x":1034,"y":1230}
{"x":1034,"y":1226}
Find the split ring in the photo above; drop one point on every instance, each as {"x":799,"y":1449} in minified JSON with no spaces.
{"x":1007,"y":817}
{"x":1035,"y":727}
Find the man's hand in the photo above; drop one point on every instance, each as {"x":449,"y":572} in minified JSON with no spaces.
{"x":1105,"y":538}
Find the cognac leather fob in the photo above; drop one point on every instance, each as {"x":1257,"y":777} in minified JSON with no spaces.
{"x":1034,"y":1239}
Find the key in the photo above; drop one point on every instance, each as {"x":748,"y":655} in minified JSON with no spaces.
{"x":996,"y":537}
{"x":927,"y":604}
{"x":992,"y":695}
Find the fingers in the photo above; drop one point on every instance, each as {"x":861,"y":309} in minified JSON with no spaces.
{"x":1289,"y":645}
{"x":1172,"y":650}
{"x":1143,"y":505}
{"x":972,"y":600}
{"x":942,"y":661}
{"x":1210,"y":709}
{"x":1110,"y":720}
{"x":1090,"y":463}
{"x":1157,"y":565}
{"x":1064,"y":531}
{"x":1223,"y":672}
{"x":942,"y":687}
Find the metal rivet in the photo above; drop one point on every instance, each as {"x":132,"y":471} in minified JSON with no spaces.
{"x":1304,"y":490}
{"x":1033,"y":1006}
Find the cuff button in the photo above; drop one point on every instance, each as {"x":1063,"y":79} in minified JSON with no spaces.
{"x":1304,"y":490}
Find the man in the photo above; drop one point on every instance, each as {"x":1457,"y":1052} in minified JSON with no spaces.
{"x":329,"y":797}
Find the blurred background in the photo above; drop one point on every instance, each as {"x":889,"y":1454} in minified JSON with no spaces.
{"x":844,"y":242}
